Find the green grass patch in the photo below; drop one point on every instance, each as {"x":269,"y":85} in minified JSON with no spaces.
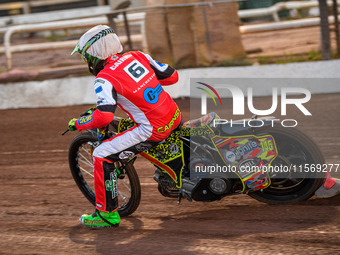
{"x":290,"y":58}
{"x":54,"y":37}
{"x":235,"y":62}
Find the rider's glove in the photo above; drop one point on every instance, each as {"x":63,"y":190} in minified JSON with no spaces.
{"x":89,"y":111}
{"x":72,"y":125}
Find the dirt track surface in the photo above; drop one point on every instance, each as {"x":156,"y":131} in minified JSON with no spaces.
{"x":40,"y":203}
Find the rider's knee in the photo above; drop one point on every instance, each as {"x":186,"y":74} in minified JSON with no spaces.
{"x":96,"y":153}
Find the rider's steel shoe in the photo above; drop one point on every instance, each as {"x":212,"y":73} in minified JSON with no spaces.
{"x":329,"y":188}
{"x":100,"y":219}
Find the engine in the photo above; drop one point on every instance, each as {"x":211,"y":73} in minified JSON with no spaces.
{"x":204,"y":186}
{"x":197,"y":186}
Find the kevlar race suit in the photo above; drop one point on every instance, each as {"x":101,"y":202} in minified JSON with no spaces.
{"x":132,"y":81}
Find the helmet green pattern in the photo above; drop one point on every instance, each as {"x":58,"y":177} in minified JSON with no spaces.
{"x":92,"y":61}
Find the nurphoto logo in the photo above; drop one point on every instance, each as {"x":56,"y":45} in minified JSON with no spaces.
{"x":239,"y":100}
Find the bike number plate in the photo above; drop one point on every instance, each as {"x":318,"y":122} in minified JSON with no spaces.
{"x":251,"y":156}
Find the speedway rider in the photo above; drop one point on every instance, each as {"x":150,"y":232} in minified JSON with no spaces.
{"x":133,"y":82}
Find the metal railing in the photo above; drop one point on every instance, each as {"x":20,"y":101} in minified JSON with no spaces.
{"x":58,"y":25}
{"x":274,"y":10}
{"x":138,"y":18}
{"x":132,"y":18}
{"x":245,"y":29}
{"x":41,"y":17}
{"x":27,"y":5}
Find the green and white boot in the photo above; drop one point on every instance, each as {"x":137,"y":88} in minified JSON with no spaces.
{"x":100,"y":219}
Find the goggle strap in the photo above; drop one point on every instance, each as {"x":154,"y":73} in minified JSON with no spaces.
{"x":94,"y":39}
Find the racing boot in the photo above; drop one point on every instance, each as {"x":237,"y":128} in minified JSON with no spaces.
{"x":100,"y":219}
{"x":329,"y":188}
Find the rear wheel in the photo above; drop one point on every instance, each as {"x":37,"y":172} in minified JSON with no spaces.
{"x":294,"y":149}
{"x":80,"y":160}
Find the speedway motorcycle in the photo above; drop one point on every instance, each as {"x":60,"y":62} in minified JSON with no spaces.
{"x":202,"y":161}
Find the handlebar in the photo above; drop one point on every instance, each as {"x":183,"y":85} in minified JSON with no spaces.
{"x":83,"y":114}
{"x":65,"y":132}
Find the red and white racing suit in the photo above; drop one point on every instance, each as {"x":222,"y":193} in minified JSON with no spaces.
{"x":132,"y":81}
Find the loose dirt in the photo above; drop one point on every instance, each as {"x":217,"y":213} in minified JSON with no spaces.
{"x":40,"y":203}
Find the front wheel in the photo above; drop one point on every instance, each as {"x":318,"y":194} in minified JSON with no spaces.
{"x":81,"y":166}
{"x":294,"y":149}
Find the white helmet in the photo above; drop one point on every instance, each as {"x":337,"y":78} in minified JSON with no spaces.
{"x":96,"y":45}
